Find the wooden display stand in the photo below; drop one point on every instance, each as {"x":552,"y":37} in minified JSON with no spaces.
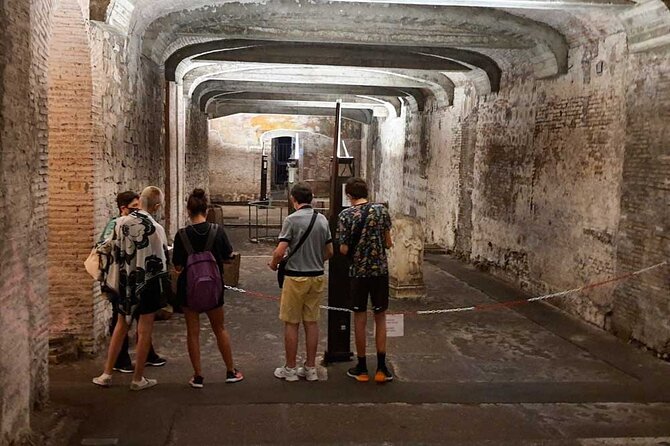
{"x":231,"y":270}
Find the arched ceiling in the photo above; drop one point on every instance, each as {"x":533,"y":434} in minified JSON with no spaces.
{"x":217,"y":89}
{"x":384,"y":49}
{"x":238,"y":77}
{"x":380,"y":56}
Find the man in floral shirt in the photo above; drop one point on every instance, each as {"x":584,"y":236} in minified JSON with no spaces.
{"x":364,"y":235}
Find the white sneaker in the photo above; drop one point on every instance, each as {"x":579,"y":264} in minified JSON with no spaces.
{"x":144,"y":384}
{"x":103,"y":380}
{"x":286,"y":373}
{"x":309,"y":373}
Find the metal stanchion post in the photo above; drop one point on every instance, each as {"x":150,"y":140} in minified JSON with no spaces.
{"x":339,"y":322}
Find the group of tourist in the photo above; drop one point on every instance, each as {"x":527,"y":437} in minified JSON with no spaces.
{"x":137,"y":280}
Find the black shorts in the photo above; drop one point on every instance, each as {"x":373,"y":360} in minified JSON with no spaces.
{"x":151,"y":300}
{"x":375,"y":287}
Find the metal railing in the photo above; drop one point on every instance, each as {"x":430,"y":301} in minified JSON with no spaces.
{"x":262,"y":225}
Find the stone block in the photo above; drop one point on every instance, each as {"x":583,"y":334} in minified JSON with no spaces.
{"x":231,"y":271}
{"x":406,"y":259}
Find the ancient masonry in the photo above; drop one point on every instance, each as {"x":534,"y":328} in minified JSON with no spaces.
{"x":531,"y":143}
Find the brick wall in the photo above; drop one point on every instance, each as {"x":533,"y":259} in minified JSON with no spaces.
{"x":71,"y":173}
{"x":197,"y":153}
{"x":548,"y":166}
{"x":399,"y":147}
{"x":387,"y":145}
{"x":235,"y":151}
{"x":23,"y":198}
{"x":640,"y":311}
{"x":550,"y":183}
{"x":127,"y":140}
{"x":568,"y":185}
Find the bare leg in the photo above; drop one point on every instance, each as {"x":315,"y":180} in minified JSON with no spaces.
{"x":145,"y":325}
{"x":119,"y":335}
{"x":193,"y":339}
{"x":216,"y":319}
{"x":380,"y":332}
{"x":291,"y":343}
{"x":311,"y":341}
{"x":360,"y":325}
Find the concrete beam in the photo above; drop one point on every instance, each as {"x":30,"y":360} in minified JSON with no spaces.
{"x":438,"y":84}
{"x":333,"y":55}
{"x":211,"y":88}
{"x":330,"y":98}
{"x":138,"y":15}
{"x":362,"y":116}
{"x":387,"y":56}
{"x":378,"y":110}
{"x":507,"y":4}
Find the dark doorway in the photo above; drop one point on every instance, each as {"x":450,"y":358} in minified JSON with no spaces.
{"x":281,"y":151}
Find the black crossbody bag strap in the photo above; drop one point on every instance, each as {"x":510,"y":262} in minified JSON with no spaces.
{"x":359,"y":233}
{"x":303,"y":238}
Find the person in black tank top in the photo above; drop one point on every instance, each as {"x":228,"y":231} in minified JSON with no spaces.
{"x":198,"y":234}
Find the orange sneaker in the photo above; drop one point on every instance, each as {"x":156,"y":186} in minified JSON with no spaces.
{"x":359,"y":374}
{"x":383,"y":375}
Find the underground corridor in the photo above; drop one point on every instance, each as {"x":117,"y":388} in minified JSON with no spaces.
{"x":521,"y":148}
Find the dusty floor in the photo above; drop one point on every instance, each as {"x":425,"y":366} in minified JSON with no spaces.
{"x":510,"y":376}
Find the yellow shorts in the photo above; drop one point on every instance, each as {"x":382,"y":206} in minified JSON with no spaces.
{"x":300,"y":299}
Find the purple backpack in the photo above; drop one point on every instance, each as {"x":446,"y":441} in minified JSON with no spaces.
{"x":204,"y":285}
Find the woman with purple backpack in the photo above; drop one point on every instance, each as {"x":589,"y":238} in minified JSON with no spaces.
{"x":199,"y":253}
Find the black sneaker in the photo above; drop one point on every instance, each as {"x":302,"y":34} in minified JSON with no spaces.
{"x":197,"y":382}
{"x":234,"y":376}
{"x":156,"y":361}
{"x":124,"y":368}
{"x":383,"y":375}
{"x":359,"y":374}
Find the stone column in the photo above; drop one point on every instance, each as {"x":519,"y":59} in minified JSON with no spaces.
{"x":406,"y":258}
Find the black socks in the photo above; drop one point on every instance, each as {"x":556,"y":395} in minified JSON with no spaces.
{"x":381,"y":360}
{"x":362,"y":363}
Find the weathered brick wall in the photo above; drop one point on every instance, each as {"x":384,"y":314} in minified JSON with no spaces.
{"x":570,"y":185}
{"x":388,"y":147}
{"x":197,"y":153}
{"x":235,"y":151}
{"x":548,"y":166}
{"x":71,"y":173}
{"x":127,"y":140}
{"x":399,"y":149}
{"x":23,"y":197}
{"x":640,"y":310}
{"x":444,"y":136}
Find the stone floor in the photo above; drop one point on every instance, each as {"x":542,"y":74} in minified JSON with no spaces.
{"x":511,"y":376}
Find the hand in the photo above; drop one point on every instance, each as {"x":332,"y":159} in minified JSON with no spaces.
{"x":272,"y":266}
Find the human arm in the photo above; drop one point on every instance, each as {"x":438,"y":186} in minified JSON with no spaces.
{"x":108,"y":231}
{"x":277,"y":255}
{"x":178,"y":253}
{"x":344,"y":234}
{"x":226,"y":247}
{"x":388,"y":240}
{"x":328,"y":251}
{"x":285,"y":237}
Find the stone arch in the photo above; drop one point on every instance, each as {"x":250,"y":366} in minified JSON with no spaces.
{"x":71,"y":168}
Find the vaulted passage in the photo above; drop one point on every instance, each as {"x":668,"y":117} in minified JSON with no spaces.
{"x":527,"y":138}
